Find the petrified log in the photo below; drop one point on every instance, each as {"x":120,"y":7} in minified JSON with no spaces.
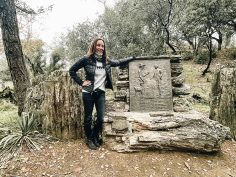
{"x":223,"y":97}
{"x":192,"y":131}
{"x":56,"y":103}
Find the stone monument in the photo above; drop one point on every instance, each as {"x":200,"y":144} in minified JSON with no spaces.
{"x":150,"y":85}
{"x":150,"y":111}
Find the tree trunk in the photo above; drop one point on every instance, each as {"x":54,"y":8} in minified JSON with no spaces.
{"x":168,"y":41}
{"x":210,"y":57}
{"x":220,"y":41}
{"x":223,"y":97}
{"x":13,"y":51}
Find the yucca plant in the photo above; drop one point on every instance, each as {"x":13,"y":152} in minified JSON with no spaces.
{"x":12,"y":144}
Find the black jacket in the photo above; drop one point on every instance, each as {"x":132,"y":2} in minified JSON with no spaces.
{"x":89,"y":65}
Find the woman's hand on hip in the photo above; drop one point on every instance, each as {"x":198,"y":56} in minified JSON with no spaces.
{"x":86,"y":83}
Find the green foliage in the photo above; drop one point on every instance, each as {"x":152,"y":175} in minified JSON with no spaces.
{"x":34,"y":55}
{"x":12,"y":144}
{"x":27,"y":124}
{"x":198,"y":85}
{"x":33,"y":48}
{"x":201,"y":107}
{"x":79,"y":38}
{"x":187,"y":55}
{"x":72,"y":45}
{"x":143,"y":27}
{"x":9,"y":118}
{"x":6,"y":106}
{"x":232,"y":53}
{"x":8,"y":114}
{"x":129,"y":32}
{"x":200,"y":21}
{"x":202,"y":57}
{"x":4,"y":70}
{"x":56,"y":61}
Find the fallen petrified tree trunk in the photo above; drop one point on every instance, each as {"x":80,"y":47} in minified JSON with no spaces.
{"x":130,"y":131}
{"x":223,"y":97}
{"x":56,"y":103}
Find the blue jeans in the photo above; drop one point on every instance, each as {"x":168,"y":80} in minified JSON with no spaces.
{"x":96,"y":98}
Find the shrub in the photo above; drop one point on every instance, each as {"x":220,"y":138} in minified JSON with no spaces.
{"x":202,"y":57}
{"x":6,"y":106}
{"x":187,"y":55}
{"x":4,"y":70}
{"x":8,"y":115}
{"x":232,"y":53}
{"x":13,"y":143}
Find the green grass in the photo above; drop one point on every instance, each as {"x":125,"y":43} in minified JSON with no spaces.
{"x":190,"y":73}
{"x":199,"y":84}
{"x":204,"y":108}
{"x":8,"y":115}
{"x":21,"y":134}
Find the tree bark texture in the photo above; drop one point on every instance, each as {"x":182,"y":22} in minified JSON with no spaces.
{"x":13,"y":51}
{"x":223,"y":97}
{"x":57,"y":105}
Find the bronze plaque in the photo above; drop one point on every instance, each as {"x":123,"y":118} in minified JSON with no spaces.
{"x":150,"y":85}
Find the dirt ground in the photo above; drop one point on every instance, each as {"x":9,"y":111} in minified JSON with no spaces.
{"x":74,"y":159}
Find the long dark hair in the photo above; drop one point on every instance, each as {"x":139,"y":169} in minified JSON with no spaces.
{"x":92,"y":48}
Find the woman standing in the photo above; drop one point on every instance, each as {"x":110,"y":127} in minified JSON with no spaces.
{"x":98,"y":77}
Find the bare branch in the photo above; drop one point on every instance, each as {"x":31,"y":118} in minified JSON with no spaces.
{"x":103,"y":2}
{"x":23,"y":7}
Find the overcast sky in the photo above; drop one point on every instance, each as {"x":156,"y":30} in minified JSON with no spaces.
{"x":64,"y":15}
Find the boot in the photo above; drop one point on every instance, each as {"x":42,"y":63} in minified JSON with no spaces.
{"x":89,"y":138}
{"x":97,"y":131}
{"x":91,"y":145}
{"x":97,"y":141}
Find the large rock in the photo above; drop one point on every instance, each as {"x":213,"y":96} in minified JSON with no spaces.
{"x":181,"y":104}
{"x":178,"y":81}
{"x":131,"y":131}
{"x":176,"y":69}
{"x":183,"y":90}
